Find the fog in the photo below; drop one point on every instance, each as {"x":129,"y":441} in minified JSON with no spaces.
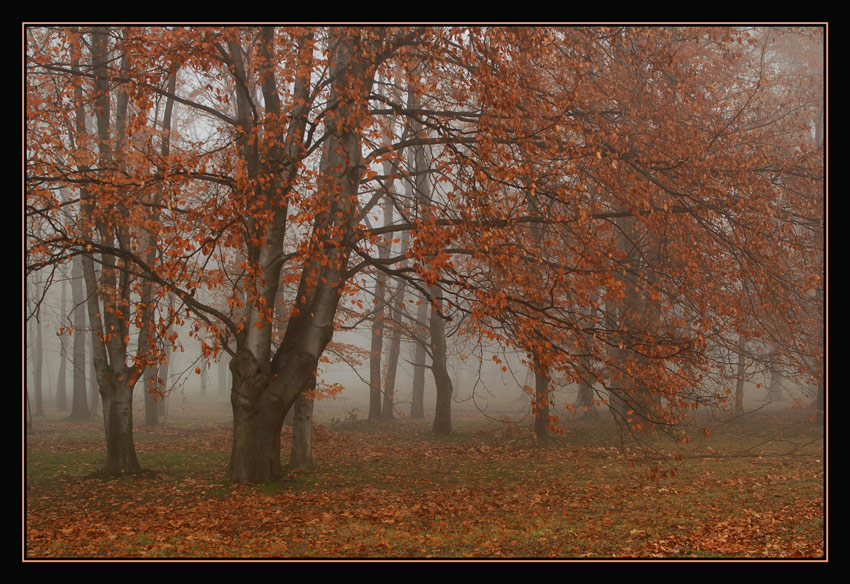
{"x":481,"y":386}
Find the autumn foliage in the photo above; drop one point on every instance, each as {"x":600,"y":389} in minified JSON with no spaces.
{"x":618,"y":205}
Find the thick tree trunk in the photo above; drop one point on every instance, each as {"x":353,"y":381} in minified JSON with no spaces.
{"x":223,"y":376}
{"x":257,"y":420}
{"x":117,"y":397}
{"x":259,"y":406}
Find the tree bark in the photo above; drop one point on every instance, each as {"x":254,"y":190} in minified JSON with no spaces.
{"x":91,"y":383}
{"x":442,"y":379}
{"x":150,"y":383}
{"x":61,"y":386}
{"x":117,"y":395}
{"x":161,"y":405}
{"x":541,"y":402}
{"x":387,"y":412}
{"x":739,"y":379}
{"x":301,"y":455}
{"x":376,"y":347}
{"x":417,"y":405}
{"x":37,"y":364}
{"x":79,"y":403}
{"x":585,"y":399}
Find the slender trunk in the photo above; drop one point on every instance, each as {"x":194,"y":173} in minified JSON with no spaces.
{"x":540,"y":406}
{"x":585,"y":400}
{"x":376,"y":348}
{"x":91,"y":382}
{"x":541,"y":401}
{"x":417,"y":406}
{"x":147,"y":342}
{"x":393,"y":355}
{"x":774,"y":391}
{"x":61,"y":388}
{"x":203,"y":379}
{"x":37,"y":365}
{"x":442,"y":379}
{"x":384,"y":250}
{"x":302,"y":429}
{"x":150,"y":386}
{"x":79,"y":403}
{"x":162,"y":398}
{"x":739,"y":383}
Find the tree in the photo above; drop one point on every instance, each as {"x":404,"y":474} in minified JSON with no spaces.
{"x":579,"y":195}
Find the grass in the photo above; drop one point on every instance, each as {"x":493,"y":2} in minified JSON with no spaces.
{"x":390,"y":490}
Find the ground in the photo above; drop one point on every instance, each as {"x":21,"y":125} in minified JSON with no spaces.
{"x":393,"y":490}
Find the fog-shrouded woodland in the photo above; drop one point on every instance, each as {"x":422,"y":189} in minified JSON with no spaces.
{"x":618,"y":229}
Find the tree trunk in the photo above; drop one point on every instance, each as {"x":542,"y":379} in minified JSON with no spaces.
{"x":417,"y":404}
{"x":442,"y":379}
{"x":161,"y":404}
{"x":61,"y":387}
{"x":38,"y":362}
{"x":204,"y":376}
{"x":541,"y":402}
{"x":393,"y":354}
{"x":259,"y":406}
{"x":585,"y":399}
{"x":117,"y":397}
{"x":739,"y":383}
{"x":223,"y":375}
{"x":376,"y":348}
{"x":79,"y":403}
{"x":147,"y":342}
{"x":150,"y":384}
{"x":301,"y":455}
{"x":91,"y":382}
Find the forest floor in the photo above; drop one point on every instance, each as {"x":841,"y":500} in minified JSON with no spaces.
{"x":753,"y":489}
